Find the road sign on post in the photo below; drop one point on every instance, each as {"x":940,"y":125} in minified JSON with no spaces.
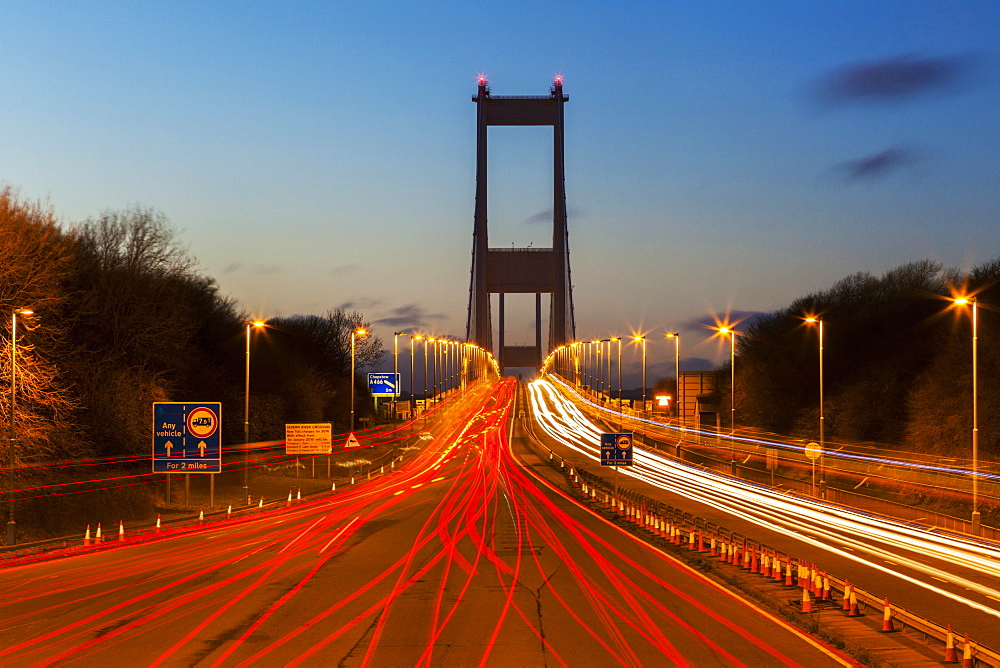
{"x":187,"y":437}
{"x":383,"y":384}
{"x":309,"y":438}
{"x":616,"y":449}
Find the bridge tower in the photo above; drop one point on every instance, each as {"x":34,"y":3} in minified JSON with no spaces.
{"x":521,"y":270}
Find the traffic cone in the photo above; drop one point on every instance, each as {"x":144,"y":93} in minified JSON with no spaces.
{"x":701,"y":542}
{"x":352,"y":480}
{"x":846,"y":606}
{"x":887,"y":626}
{"x":229,"y":512}
{"x":967,"y":660}
{"x":765,"y":564}
{"x":854,"y":612}
{"x":776,"y":574}
{"x":97,"y":537}
{"x":261,"y":504}
{"x":86,"y":537}
{"x":827,"y":594}
{"x":157,"y":524}
{"x":713,"y":549}
{"x":201,"y":517}
{"x":691,"y":544}
{"x":121,"y":531}
{"x":788,"y":573}
{"x":746,"y":559}
{"x":288,"y":503}
{"x":950,"y":655}
{"x":807,"y":604}
{"x":333,"y":487}
{"x":754,"y":562}
{"x":298,"y":495}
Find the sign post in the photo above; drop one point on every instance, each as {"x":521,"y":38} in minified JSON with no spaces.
{"x":187,"y":437}
{"x":616,"y":450}
{"x":814,"y":451}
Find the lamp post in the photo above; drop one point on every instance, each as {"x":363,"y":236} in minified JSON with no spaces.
{"x":354,"y":335}
{"x":676,"y":336}
{"x":251,"y":324}
{"x":11,"y":524}
{"x":412,"y":337}
{"x":642,"y":339}
{"x":726,"y":330}
{"x":962,"y":301}
{"x":395,"y":368}
{"x":822,"y":423}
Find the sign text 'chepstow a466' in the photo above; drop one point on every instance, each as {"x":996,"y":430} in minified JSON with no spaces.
{"x":187,"y":437}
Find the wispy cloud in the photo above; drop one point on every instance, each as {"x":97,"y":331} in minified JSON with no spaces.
{"x":892,"y":80}
{"x":879,"y":164}
{"x":409,"y":318}
{"x":344,"y":269}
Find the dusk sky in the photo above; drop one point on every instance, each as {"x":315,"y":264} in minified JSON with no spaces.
{"x":719,"y":155}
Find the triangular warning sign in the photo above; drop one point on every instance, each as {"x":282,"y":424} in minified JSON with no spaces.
{"x":352,"y":441}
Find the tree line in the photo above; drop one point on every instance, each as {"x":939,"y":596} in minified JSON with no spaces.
{"x":122,"y":318}
{"x":897,"y":361}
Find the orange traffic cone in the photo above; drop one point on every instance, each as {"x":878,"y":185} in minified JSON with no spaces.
{"x":754,"y":562}
{"x":846,"y":607}
{"x":854,"y":612}
{"x":157,"y":524}
{"x":788,"y":573}
{"x":777,"y":568}
{"x":887,"y":626}
{"x":201,"y":517}
{"x":97,"y":537}
{"x":121,"y":530}
{"x":807,"y":604}
{"x":229,"y":511}
{"x":827,"y":595}
{"x":967,"y":660}
{"x":950,"y":655}
{"x":86,"y":537}
{"x":261,"y":504}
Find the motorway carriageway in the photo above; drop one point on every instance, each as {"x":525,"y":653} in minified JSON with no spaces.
{"x":946,"y":578}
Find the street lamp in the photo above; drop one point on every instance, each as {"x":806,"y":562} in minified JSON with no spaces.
{"x":395,"y":368}
{"x":676,"y":336}
{"x":726,"y":330}
{"x":963,"y":301}
{"x":354,"y":335}
{"x":643,"y":340}
{"x":619,"y":340}
{"x":822,"y":423}
{"x":11,"y":525}
{"x":251,"y":324}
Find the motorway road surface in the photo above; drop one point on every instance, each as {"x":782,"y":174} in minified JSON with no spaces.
{"x":946,"y":578}
{"x":459,"y":557}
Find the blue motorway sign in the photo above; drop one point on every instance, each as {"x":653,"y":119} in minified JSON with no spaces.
{"x":383,"y":384}
{"x":616,"y":449}
{"x":187,"y":437}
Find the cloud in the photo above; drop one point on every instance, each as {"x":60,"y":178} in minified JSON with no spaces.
{"x":879,"y":164}
{"x":546,"y":216}
{"x":359,"y":304}
{"x":410,"y":318}
{"x":254,"y":268}
{"x":344,"y":269}
{"x":891,"y":80}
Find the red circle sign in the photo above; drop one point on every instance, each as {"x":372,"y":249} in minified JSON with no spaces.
{"x":202,"y":422}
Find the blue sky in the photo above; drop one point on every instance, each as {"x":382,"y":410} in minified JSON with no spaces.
{"x":720,"y":155}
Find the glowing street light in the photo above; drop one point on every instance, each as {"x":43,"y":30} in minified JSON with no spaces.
{"x":965,"y":301}
{"x":251,"y":324}
{"x":395,"y":368}
{"x":354,"y":335}
{"x":643,"y":340}
{"x":822,"y":443}
{"x":11,"y":525}
{"x":727,"y":330}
